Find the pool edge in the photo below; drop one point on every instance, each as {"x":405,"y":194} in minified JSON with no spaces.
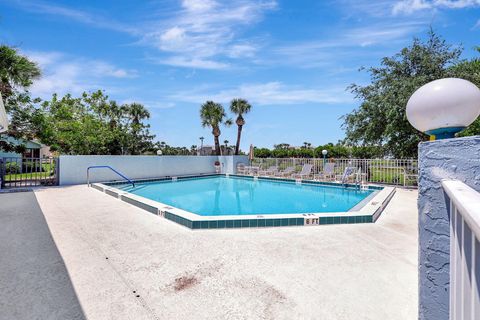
{"x":368,"y":213}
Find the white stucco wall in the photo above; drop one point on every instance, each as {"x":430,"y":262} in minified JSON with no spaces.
{"x":73,"y":169}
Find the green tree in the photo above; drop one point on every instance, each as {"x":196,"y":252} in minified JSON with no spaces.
{"x":193,"y":150}
{"x":15,"y":71}
{"x":469,"y":70}
{"x":262,"y":152}
{"x":213,"y":115}
{"x":93,"y":124}
{"x":239,"y":107}
{"x":139,"y":138}
{"x":281,"y":146}
{"x":381,"y":119}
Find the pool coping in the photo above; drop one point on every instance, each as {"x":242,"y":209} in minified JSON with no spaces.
{"x":366,"y":211}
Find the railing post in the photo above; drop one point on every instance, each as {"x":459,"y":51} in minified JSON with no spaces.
{"x":56,"y":169}
{"x":2,"y":173}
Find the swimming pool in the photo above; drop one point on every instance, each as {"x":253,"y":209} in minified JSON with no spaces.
{"x":218,"y":201}
{"x":221,"y":195}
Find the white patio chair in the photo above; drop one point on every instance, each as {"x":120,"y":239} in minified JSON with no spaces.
{"x":267,"y":172}
{"x":350,"y":174}
{"x":306,"y":171}
{"x":287,"y":172}
{"x":328,"y":172}
{"x":241,"y":168}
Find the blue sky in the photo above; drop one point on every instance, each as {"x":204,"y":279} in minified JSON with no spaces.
{"x":291,"y":59}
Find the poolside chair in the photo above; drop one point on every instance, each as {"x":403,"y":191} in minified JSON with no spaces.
{"x":306,"y":171}
{"x":270,"y":171}
{"x":350,"y":174}
{"x":241,"y":168}
{"x":328,"y":172}
{"x":285,"y":173}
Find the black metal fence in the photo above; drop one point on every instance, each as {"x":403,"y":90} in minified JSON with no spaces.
{"x":28,"y":172}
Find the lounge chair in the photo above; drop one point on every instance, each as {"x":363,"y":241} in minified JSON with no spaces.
{"x":328,"y":172}
{"x":270,"y":171}
{"x":306,"y":171}
{"x":285,"y":173}
{"x":349,"y":175}
{"x":241,"y":168}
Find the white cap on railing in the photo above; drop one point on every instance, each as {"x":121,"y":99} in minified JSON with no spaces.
{"x":444,"y":107}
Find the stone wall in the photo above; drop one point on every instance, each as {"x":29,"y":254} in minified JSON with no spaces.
{"x":442,"y":159}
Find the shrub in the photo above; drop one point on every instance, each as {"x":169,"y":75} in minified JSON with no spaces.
{"x":12,"y":168}
{"x":31,"y":166}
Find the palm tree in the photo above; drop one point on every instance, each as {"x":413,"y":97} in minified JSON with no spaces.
{"x":193,"y":149}
{"x":136,"y":112}
{"x":212,"y":115}
{"x":225,"y":142}
{"x":15,"y":70}
{"x":239,"y":107}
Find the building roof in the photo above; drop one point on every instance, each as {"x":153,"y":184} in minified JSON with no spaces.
{"x":28,"y":144}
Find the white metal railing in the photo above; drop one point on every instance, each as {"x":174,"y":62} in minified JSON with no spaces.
{"x":403,"y":172}
{"x":464,"y":205}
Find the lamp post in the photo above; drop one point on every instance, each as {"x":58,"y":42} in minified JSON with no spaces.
{"x":159,"y":152}
{"x":444,"y":107}
{"x":324,"y":152}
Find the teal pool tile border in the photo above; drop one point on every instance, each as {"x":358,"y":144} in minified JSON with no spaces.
{"x":139,"y":204}
{"x":111,"y":193}
{"x":199,"y":176}
{"x":166,"y":178}
{"x":97,"y":187}
{"x":324,"y":183}
{"x":197,"y":223}
{"x":230,"y":224}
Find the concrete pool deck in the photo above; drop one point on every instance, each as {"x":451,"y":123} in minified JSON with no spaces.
{"x":82,"y":254}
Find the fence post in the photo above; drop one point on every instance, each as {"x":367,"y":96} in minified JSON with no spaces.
{"x":57,"y":170}
{"x":2,"y":173}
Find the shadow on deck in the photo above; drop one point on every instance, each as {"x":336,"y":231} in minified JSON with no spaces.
{"x":34,"y":279}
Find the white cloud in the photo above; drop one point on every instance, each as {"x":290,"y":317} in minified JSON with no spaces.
{"x":196,"y":63}
{"x":270,"y":93}
{"x":63,"y":74}
{"x":345,"y":46}
{"x":77,"y":15}
{"x":242,"y":50}
{"x":411,"y":6}
{"x":205,"y":34}
{"x":198,"y":5}
{"x":151,"y":104}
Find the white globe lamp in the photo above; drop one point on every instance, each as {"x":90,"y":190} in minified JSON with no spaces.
{"x":159,"y":152}
{"x":444,"y":107}
{"x":324,"y":152}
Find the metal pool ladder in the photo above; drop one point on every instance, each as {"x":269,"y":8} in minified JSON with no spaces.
{"x":107,"y":167}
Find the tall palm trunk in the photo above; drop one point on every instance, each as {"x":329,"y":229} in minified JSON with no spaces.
{"x":216,"y":135}
{"x":240,"y":122}
{"x":217,"y":145}
{"x":239,"y":135}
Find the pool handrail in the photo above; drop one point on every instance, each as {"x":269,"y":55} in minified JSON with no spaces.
{"x":107,"y":167}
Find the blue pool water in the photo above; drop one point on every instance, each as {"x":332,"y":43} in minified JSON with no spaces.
{"x":220,"y":195}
